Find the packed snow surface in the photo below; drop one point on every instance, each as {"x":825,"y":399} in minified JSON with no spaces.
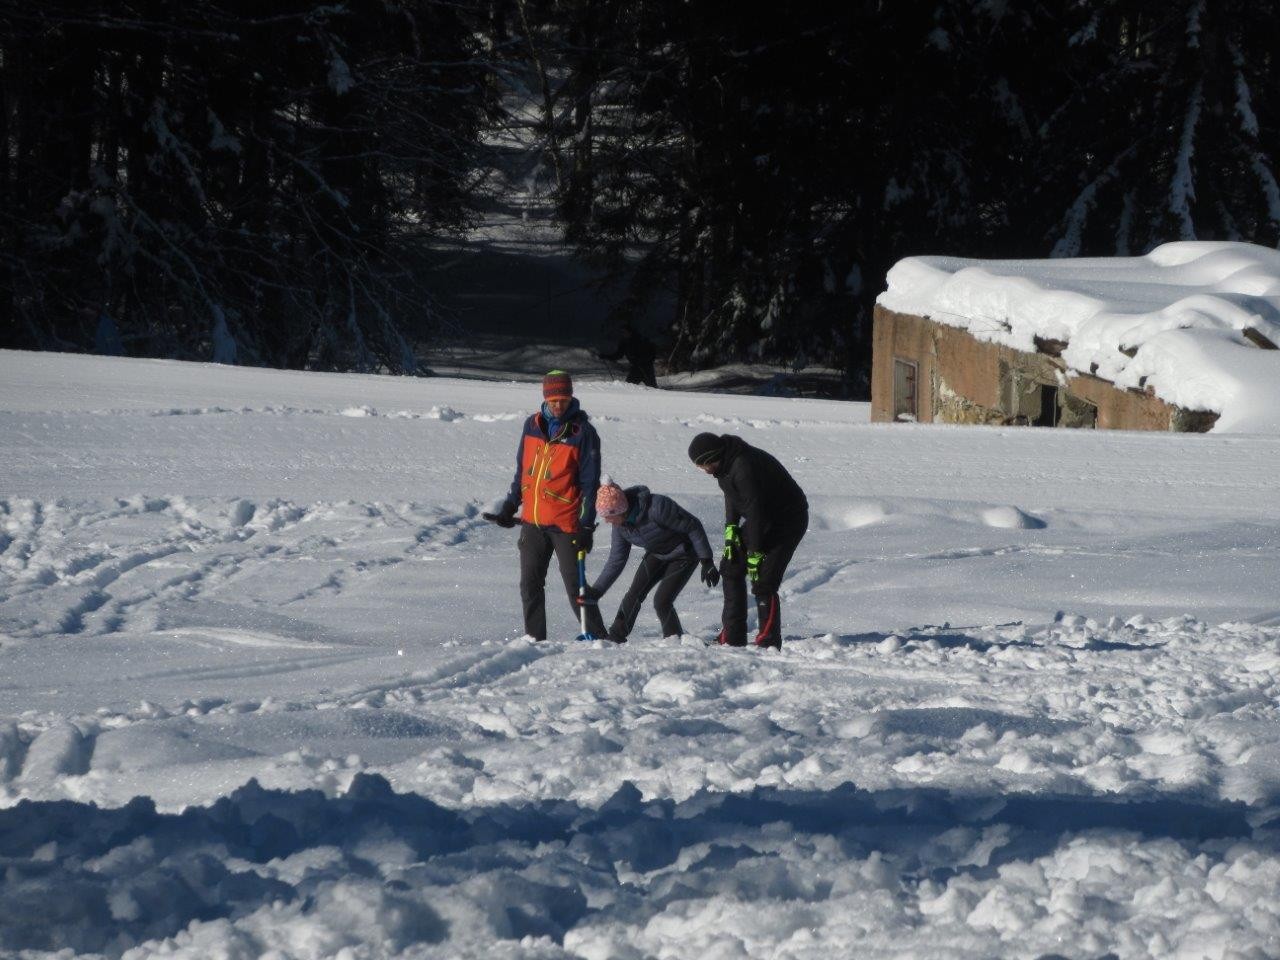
{"x":263,"y":692}
{"x":1173,"y":320}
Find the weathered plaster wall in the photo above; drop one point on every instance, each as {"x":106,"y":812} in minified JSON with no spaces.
{"x":1122,"y":409}
{"x":909,"y":341}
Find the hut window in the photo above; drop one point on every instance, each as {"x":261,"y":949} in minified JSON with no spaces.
{"x":904,"y":390}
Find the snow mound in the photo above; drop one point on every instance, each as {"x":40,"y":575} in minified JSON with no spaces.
{"x":840,"y":515}
{"x":864,"y":514}
{"x":1010,"y":518}
{"x":844,"y":514}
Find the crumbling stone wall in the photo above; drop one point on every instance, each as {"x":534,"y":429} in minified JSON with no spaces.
{"x":950,"y":407}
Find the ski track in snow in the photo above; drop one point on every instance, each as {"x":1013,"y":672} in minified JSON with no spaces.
{"x":255,"y":724}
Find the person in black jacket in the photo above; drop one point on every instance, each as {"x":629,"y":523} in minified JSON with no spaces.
{"x":674,"y":543}
{"x":766,"y":515}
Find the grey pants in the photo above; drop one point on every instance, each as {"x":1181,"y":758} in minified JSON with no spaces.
{"x":537,"y":545}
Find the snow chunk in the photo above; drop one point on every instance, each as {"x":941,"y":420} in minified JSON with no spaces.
{"x":445,"y":413}
{"x":668,"y":687}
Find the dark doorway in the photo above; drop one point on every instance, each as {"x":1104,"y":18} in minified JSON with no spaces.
{"x":1048,"y":415}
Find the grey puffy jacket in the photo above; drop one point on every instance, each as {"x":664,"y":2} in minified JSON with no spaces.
{"x":657,"y":524}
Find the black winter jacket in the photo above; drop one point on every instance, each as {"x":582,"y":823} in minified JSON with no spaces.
{"x":657,"y":524}
{"x":759,"y":494}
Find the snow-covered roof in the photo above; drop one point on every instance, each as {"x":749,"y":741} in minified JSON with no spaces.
{"x":1173,"y":320}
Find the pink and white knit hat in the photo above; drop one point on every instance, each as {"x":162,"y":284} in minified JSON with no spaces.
{"x":610,"y":500}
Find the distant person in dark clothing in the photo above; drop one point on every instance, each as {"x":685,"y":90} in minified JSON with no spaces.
{"x":640,"y":353}
{"x":766,"y":515}
{"x":674,"y":544}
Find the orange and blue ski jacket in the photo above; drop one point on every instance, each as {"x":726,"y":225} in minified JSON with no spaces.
{"x":557,"y":476}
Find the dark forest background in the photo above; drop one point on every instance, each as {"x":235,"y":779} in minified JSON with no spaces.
{"x":263,"y":182}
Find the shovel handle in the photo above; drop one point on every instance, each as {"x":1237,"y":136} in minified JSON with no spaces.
{"x":582,"y":595}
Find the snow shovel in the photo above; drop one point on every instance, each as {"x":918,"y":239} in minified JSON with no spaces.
{"x":582,"y":597}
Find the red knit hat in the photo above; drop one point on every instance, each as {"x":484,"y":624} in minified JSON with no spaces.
{"x":557,"y":385}
{"x":610,"y":501}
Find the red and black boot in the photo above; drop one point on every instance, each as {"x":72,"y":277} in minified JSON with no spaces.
{"x":769,"y":609}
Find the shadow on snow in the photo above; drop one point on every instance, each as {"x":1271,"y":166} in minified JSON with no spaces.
{"x":69,"y":867}
{"x":948,"y":638}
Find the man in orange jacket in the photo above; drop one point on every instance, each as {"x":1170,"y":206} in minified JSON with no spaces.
{"x":557,"y":473}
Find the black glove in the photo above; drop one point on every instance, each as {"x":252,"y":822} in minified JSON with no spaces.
{"x":710,"y":575}
{"x":506,"y":517}
{"x":584,"y":538}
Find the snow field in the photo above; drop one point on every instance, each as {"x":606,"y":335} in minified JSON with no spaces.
{"x":262,"y":692}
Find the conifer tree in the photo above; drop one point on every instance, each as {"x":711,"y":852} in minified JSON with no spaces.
{"x":1172,"y":131}
{"x":216,"y":180}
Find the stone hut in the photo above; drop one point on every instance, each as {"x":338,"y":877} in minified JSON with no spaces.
{"x":1141,"y":343}
{"x":933,"y":373}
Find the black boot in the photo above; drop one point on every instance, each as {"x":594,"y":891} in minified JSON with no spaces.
{"x":724,"y":640}
{"x":769,"y":609}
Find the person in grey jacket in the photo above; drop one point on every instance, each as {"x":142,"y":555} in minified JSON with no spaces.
{"x":674,"y":544}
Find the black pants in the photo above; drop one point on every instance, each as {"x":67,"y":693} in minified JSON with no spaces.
{"x":642,"y":374}
{"x":537,"y":544}
{"x":670,"y":576}
{"x":779,"y":547}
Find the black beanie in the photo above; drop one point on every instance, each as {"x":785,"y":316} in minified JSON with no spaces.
{"x":706,"y":448}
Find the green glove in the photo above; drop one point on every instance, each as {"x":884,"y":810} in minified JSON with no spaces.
{"x":731,"y":540}
{"x":753,"y":566}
